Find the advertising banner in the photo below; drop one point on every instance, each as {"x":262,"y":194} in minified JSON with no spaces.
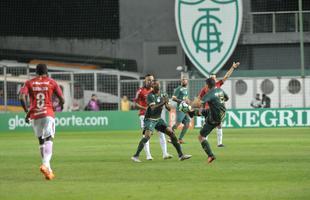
{"x":78,"y":121}
{"x":263,"y":118}
{"x":115,"y":120}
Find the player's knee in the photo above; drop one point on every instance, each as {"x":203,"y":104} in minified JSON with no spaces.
{"x":41,"y":140}
{"x":201,"y":138}
{"x":49,"y":138}
{"x":176,"y":125}
{"x":186,"y":125}
{"x":147,"y":134}
{"x":169,"y":131}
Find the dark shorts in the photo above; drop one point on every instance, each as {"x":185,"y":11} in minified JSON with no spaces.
{"x":208,"y":127}
{"x":182,"y":117}
{"x":151,"y":124}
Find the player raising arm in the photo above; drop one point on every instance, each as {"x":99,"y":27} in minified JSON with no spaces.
{"x":40,"y":91}
{"x":218,"y":84}
{"x":214,"y":116}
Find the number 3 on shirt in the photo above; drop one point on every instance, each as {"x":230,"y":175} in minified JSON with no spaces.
{"x":40,"y":100}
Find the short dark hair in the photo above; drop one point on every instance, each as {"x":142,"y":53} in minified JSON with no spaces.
{"x":147,"y":75}
{"x":210,"y":82}
{"x":41,"y":69}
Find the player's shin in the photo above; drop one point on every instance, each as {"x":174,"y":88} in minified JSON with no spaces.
{"x":176,"y":145}
{"x":219,"y":136}
{"x":206,"y":147}
{"x":48,"y":152}
{"x":183,"y":132}
{"x":41,"y":147}
{"x":163,"y":143}
{"x":141,"y":146}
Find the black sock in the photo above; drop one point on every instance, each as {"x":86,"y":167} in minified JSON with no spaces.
{"x":176,"y":145}
{"x":141,"y":146}
{"x":206,"y":147}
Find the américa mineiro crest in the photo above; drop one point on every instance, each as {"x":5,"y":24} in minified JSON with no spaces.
{"x":208,"y":31}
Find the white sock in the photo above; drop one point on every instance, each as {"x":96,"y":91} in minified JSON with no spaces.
{"x":163,"y":143}
{"x":48,"y":152}
{"x":41,"y":147}
{"x":219,"y":136}
{"x":147,"y":149}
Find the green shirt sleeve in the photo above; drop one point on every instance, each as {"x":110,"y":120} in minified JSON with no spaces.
{"x":151,"y":99}
{"x":207,"y":97}
{"x":176,"y":92}
{"x":225,"y":96}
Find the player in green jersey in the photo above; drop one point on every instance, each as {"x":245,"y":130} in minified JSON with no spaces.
{"x":181,"y":94}
{"x":214,"y":116}
{"x":153,"y":120}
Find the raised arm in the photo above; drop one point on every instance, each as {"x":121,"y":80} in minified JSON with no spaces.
{"x":59,"y":95}
{"x":230,"y":71}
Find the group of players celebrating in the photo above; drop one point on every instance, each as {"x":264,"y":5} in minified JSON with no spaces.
{"x":210,"y":104}
{"x":149,"y":100}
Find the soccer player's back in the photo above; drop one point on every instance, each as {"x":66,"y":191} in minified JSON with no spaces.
{"x":216,"y":98}
{"x":40,"y":91}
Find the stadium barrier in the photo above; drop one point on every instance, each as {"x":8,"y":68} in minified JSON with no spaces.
{"x":77,"y":121}
{"x":115,"y":120}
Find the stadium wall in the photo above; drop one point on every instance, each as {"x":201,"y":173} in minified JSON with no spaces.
{"x":147,"y":25}
{"x":114,"y":120}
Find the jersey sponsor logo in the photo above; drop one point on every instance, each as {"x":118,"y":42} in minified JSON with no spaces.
{"x":41,"y":83}
{"x":40,"y":113}
{"x":40,"y":88}
{"x":208,"y":31}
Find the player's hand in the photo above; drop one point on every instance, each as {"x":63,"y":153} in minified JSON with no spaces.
{"x":188,"y":101}
{"x":196,"y":103}
{"x":166,"y":98}
{"x":27,"y":118}
{"x":61,"y":106}
{"x":235,"y":65}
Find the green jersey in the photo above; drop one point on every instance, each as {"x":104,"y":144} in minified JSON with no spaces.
{"x":153,"y":99}
{"x":215,"y":98}
{"x":180,"y":93}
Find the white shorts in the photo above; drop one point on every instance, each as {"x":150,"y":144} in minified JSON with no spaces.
{"x":141,"y":117}
{"x":44,"y":127}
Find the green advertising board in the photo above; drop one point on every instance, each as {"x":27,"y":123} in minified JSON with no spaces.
{"x":77,"y":121}
{"x":264,"y":118}
{"x":115,"y":120}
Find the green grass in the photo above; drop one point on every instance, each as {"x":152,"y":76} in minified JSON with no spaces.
{"x":255,"y":164}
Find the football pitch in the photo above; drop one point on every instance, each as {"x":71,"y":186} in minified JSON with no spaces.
{"x":254,"y":164}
